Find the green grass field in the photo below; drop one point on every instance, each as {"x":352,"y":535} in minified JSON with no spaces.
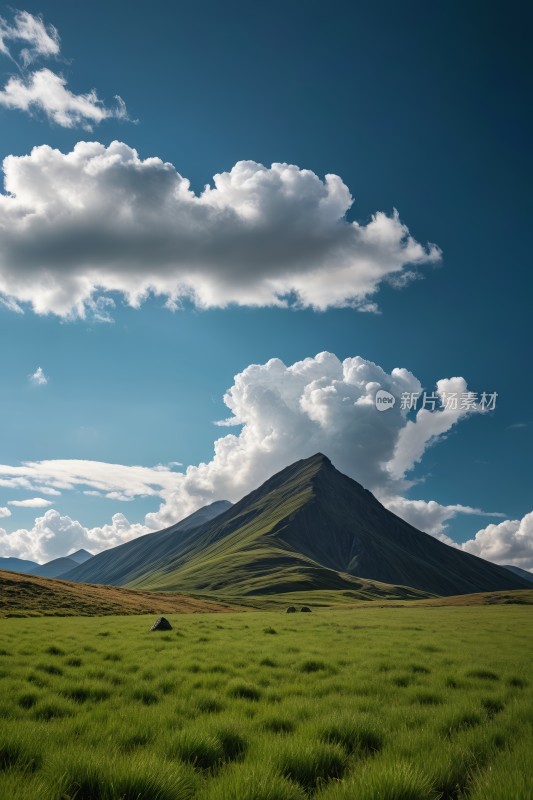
{"x":346,"y":704}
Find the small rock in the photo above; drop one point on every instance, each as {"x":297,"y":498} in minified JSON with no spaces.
{"x":305,"y":608}
{"x":291,"y":610}
{"x":161,"y":624}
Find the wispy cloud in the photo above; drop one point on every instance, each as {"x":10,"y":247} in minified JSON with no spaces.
{"x":43,"y":90}
{"x":39,"y":39}
{"x":94,"y":477}
{"x":38,"y":378}
{"x":31,"y":502}
{"x":432,"y":517}
{"x":46,"y":91}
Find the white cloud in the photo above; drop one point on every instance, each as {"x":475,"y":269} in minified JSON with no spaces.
{"x":288,"y":413}
{"x":44,"y":90}
{"x":31,"y":502}
{"x":39,"y":378}
{"x":430,"y":516}
{"x":41,"y":40}
{"x":101,"y":477}
{"x":120,"y":496}
{"x":99,"y":219}
{"x":508,"y":542}
{"x":53,"y":535}
{"x":429,"y":425}
{"x":4,"y":511}
{"x":281,"y":414}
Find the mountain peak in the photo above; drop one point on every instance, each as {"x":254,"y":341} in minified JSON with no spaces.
{"x":318,"y":458}
{"x":80,"y":556}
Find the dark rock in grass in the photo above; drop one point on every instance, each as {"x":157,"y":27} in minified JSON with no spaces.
{"x":305,"y":608}
{"x":161,"y":624}
{"x":291,"y":610}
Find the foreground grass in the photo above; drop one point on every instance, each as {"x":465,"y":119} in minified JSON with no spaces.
{"x":353,"y":704}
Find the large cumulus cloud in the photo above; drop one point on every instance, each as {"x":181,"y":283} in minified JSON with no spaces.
{"x":319,"y":404}
{"x":509,"y":542}
{"x":100,"y":219}
{"x":54,"y":535}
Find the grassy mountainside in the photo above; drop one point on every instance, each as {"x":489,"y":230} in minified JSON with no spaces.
{"x":123,"y":564}
{"x":31,"y":596}
{"x":240,"y":552}
{"x":371,"y":599}
{"x":312,"y":528}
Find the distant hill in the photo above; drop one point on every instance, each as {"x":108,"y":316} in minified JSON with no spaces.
{"x":307,"y":528}
{"x":80,"y":556}
{"x":30,"y":595}
{"x":17,"y":564}
{"x":55,"y":568}
{"x":52,"y":569}
{"x":123,"y":564}
{"x":523,"y":573}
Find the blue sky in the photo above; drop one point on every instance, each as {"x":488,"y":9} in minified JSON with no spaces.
{"x":416,"y":108}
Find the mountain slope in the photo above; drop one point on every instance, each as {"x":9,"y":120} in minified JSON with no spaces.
{"x":17,"y":565}
{"x":311,"y":527}
{"x":55,"y":568}
{"x":123,"y":564}
{"x":523,"y":573}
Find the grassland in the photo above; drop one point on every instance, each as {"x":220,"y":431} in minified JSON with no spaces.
{"x":29,"y":595}
{"x":342,"y":704}
{"x":355,"y":599}
{"x":33,"y":596}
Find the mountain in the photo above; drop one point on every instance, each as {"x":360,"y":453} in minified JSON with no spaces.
{"x":523,"y":573}
{"x":55,"y":568}
{"x":309,"y":527}
{"x":80,"y":556}
{"x":123,"y":564}
{"x":17,"y":565}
